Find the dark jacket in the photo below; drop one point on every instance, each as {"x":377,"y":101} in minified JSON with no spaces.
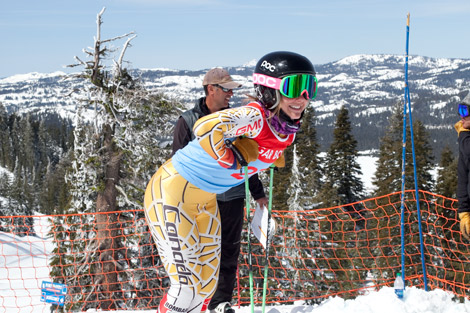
{"x":184,"y":134}
{"x":463,"y":172}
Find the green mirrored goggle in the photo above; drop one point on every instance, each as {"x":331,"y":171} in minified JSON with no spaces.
{"x":294,"y":86}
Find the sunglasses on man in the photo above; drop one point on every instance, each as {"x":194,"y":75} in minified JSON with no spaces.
{"x":223,"y":88}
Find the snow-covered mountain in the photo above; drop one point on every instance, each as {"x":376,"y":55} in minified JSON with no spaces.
{"x":368,"y":85}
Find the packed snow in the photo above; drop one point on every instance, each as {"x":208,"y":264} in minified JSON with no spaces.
{"x":30,"y":252}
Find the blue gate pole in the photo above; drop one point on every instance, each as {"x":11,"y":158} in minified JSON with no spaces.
{"x":403,"y":161}
{"x":408,"y":101}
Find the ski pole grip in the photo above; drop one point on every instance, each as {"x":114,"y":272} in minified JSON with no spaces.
{"x":236,"y":152}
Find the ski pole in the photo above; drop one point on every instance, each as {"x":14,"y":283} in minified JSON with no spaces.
{"x":243,"y":162}
{"x":268,"y":240}
{"x":248,"y":220}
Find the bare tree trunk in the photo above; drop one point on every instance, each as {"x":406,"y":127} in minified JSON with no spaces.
{"x":107,"y":225}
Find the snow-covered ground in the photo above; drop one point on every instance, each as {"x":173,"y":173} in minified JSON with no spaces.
{"x":23,"y":267}
{"x":383,"y":301}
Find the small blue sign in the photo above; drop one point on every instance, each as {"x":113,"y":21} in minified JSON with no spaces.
{"x":53,"y":293}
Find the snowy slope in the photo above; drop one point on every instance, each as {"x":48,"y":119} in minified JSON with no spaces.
{"x":23,"y":267}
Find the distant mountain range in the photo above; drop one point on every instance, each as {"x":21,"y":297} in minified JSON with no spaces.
{"x":368,"y":85}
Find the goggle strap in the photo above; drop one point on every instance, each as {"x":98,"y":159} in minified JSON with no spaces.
{"x":267,"y":81}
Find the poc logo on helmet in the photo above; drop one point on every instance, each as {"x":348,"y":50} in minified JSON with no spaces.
{"x":268,"y":66}
{"x":260,"y":79}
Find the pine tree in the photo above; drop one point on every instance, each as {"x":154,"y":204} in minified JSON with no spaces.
{"x":5,"y":142}
{"x":447,"y":187}
{"x":20,"y":205}
{"x":281,"y":177}
{"x":309,"y":168}
{"x":388,"y":179}
{"x":17,"y":142}
{"x":447,"y":174}
{"x":342,"y":171}
{"x":424,"y":157}
{"x":5,"y":191}
{"x":388,"y":175}
{"x":28,"y":143}
{"x":114,"y":156}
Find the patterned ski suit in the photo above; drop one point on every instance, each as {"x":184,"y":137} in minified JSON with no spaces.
{"x":181,"y":207}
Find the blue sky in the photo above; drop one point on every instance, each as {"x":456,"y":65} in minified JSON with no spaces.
{"x":43,"y":36}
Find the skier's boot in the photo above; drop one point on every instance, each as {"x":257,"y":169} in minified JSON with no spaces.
{"x":223,"y":307}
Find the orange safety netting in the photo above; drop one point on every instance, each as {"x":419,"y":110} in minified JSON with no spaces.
{"x":109,"y":260}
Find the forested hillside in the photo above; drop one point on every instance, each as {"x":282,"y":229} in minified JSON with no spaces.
{"x":35,"y":152}
{"x":369,"y":86}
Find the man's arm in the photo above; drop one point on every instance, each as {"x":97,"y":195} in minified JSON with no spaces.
{"x":256,"y":187}
{"x":181,"y":136}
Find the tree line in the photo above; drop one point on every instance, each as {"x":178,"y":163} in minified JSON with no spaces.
{"x":34,"y":154}
{"x":37,"y":151}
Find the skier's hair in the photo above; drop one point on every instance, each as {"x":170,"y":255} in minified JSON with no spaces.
{"x":275,"y":111}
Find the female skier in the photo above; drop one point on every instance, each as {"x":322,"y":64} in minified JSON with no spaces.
{"x":180,"y":199}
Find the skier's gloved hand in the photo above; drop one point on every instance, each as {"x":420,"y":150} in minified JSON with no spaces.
{"x":280,"y":162}
{"x":248,"y":149}
{"x":465,"y":224}
{"x":459,"y":127}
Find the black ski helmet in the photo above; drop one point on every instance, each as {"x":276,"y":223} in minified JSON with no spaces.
{"x":279,"y":64}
